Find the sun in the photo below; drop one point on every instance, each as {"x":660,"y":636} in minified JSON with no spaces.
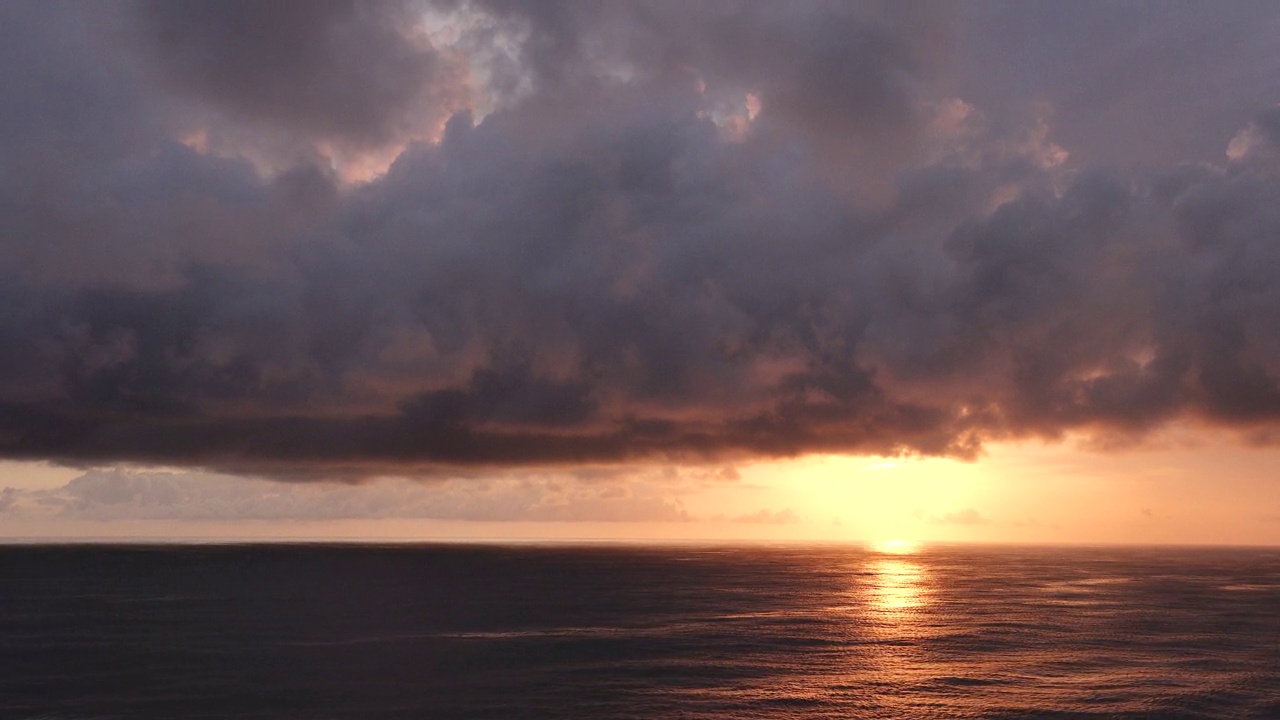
{"x":896,"y":546}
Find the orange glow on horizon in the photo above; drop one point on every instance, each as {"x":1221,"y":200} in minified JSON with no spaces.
{"x":895,"y":547}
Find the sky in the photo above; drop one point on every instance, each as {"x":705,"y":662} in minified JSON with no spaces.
{"x":473,"y":269}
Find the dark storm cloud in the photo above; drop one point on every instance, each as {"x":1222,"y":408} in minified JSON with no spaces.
{"x":338,"y":68}
{"x":1142,"y":83}
{"x":680,"y":235}
{"x":828,"y":65}
{"x":843,"y":76}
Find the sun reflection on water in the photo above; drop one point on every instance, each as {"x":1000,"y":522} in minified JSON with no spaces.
{"x":897,"y":583}
{"x":897,"y":587}
{"x":894,"y":593}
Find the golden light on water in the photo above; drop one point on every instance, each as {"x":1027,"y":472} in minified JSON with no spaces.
{"x":897,"y":583}
{"x":897,"y":586}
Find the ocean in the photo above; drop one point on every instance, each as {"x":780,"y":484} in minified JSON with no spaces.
{"x":322,"y":632}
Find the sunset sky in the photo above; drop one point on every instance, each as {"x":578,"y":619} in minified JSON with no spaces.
{"x":1000,"y":272}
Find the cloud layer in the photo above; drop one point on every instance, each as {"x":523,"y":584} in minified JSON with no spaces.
{"x":111,"y":495}
{"x":615,"y":233}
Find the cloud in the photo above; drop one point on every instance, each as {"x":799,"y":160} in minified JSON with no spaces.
{"x":335,"y":65}
{"x":281,"y":80}
{"x":968,"y":516}
{"x":191,"y":496}
{"x":8,"y":498}
{"x":605,"y":256}
{"x":1259,"y":142}
{"x":786,"y":516}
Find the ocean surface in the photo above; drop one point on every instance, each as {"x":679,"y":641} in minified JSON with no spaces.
{"x":321,"y":632}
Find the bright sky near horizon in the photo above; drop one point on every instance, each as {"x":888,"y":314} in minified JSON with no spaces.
{"x":1181,"y":491}
{"x":728,"y":270}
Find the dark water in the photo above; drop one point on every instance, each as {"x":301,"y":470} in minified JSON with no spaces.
{"x":432,"y":632}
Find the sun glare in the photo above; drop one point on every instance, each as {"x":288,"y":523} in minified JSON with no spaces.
{"x":895,"y":498}
{"x":895,"y":547}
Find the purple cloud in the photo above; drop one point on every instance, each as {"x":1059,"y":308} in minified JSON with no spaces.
{"x":645,"y":233}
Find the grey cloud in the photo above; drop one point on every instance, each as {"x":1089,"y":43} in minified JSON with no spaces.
{"x":1134,"y":84}
{"x":129,"y":495}
{"x":842,"y":79}
{"x":1268,"y":122}
{"x":606,"y":268}
{"x":339,"y":69}
{"x":8,"y":498}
